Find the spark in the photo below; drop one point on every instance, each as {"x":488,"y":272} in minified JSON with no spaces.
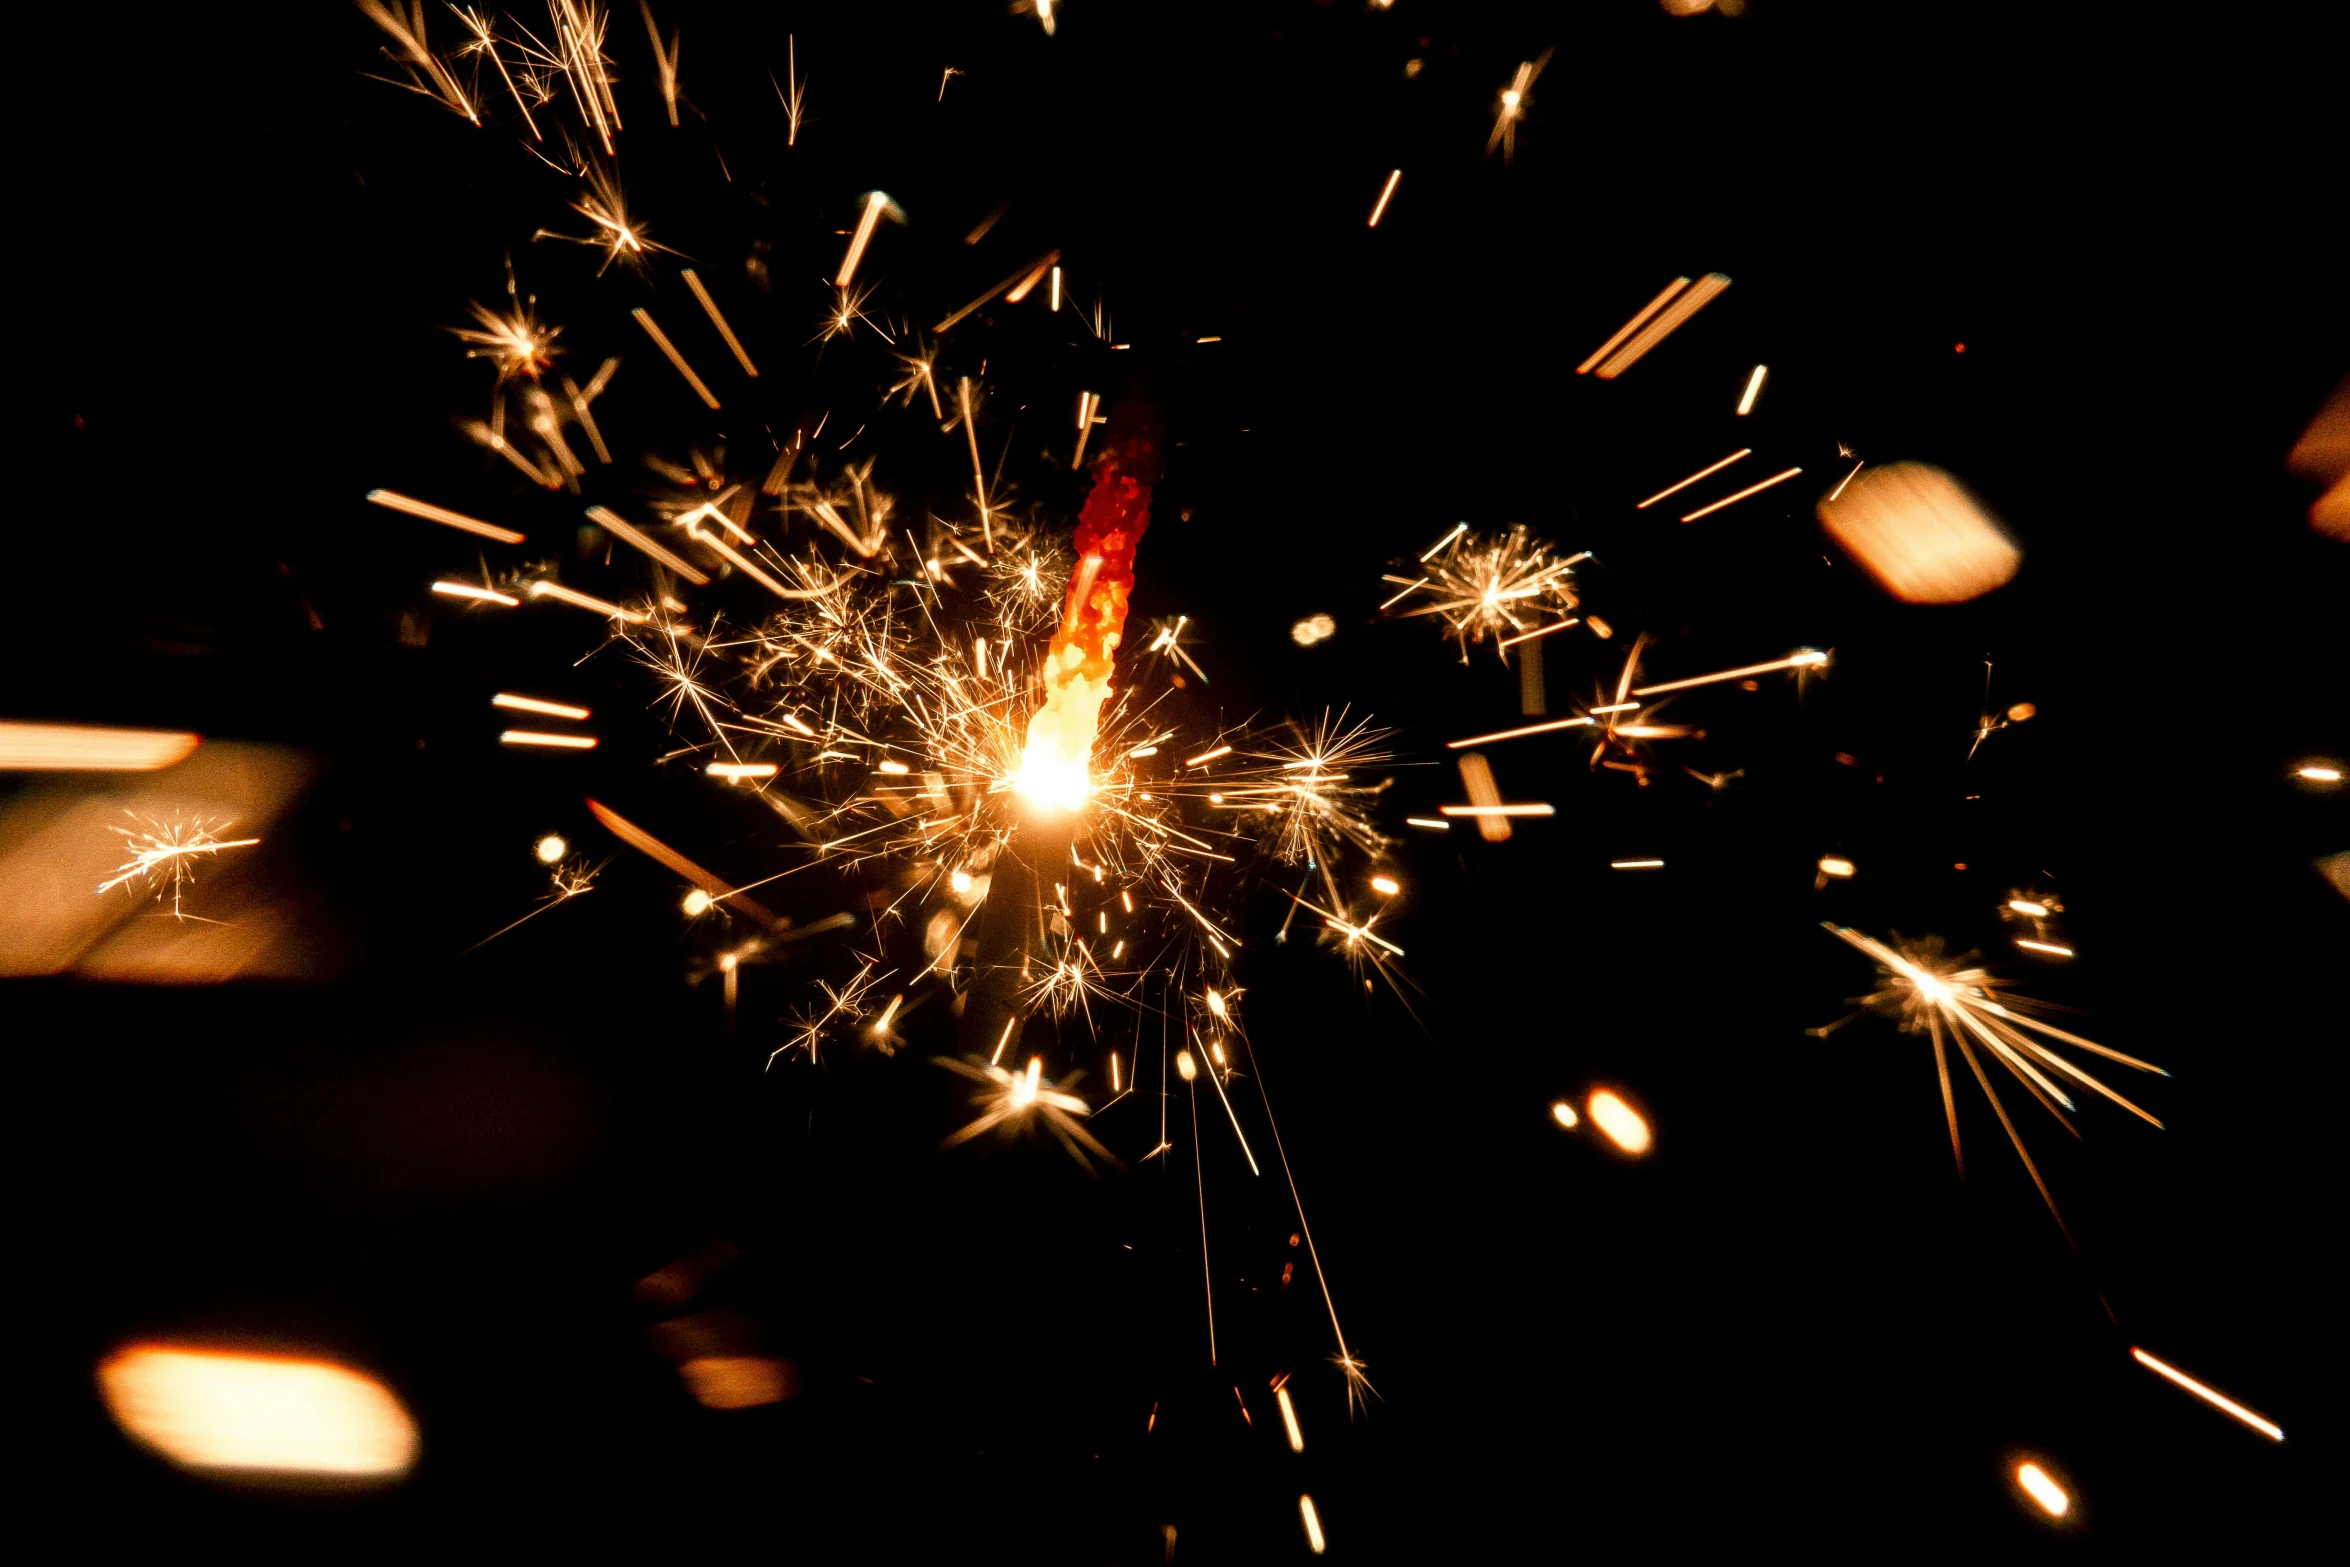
{"x":665,"y":61}
{"x":740,"y":770}
{"x":2043,"y":1490}
{"x":1806,"y":659}
{"x":163,"y":853}
{"x":529,"y":737}
{"x":628,"y":533}
{"x":1732,"y":500}
{"x":1031,"y":271}
{"x":1635,"y":865}
{"x":876,"y":203}
{"x":1832,"y":866}
{"x":661,"y":341}
{"x":427,"y":75}
{"x":1665,"y":322}
{"x":1754,"y":384}
{"x":550,"y":848}
{"x":1206,"y":757}
{"x":71,"y":748}
{"x":466,"y":590}
{"x":1512,"y":107}
{"x":1297,"y":1437}
{"x":1499,"y":810}
{"x":2215,"y":1399}
{"x":1515,"y":734}
{"x":794,"y":101}
{"x":717,"y":319}
{"x":1024,"y":1097}
{"x":1480,"y":586}
{"x":1429,"y":822}
{"x":2319,"y":773}
{"x":564,"y":595}
{"x":2044,"y":946}
{"x":1564,"y":1113}
{"x":442,"y":515}
{"x":1640,"y":318}
{"x":532,"y":704}
{"x":1386,"y":193}
{"x":514,"y":342}
{"x":2029,"y":909}
{"x":1313,"y":1523}
{"x":1386,"y":886}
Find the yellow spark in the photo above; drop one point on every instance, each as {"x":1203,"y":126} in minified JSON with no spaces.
{"x":2043,"y":1490}
{"x":737,"y":770}
{"x":1732,"y":500}
{"x":1313,"y":1522}
{"x":876,"y":202}
{"x":628,"y":533}
{"x":1622,"y":1124}
{"x":532,"y":704}
{"x":1379,"y":207}
{"x":550,"y":849}
{"x":1665,"y":323}
{"x":1386,"y":886}
{"x":1639,"y":319}
{"x":2215,"y":1399}
{"x":1515,"y":734}
{"x":417,"y":56}
{"x":1564,"y":1113}
{"x":717,"y":319}
{"x":466,"y":590}
{"x":442,"y":515}
{"x":564,"y":595}
{"x":2318,"y":773}
{"x":2044,"y":946}
{"x":1702,"y":473}
{"x":555,"y":742}
{"x":1635,"y":865}
{"x":2029,"y":909}
{"x":1208,"y":756}
{"x":1831,"y":866}
{"x":661,"y":341}
{"x":1297,"y":1437}
{"x":1753,"y":390}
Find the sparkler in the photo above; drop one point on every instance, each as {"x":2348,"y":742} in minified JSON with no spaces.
{"x":163,"y":855}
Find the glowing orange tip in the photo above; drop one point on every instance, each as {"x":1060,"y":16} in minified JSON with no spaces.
{"x":1624,"y":1126}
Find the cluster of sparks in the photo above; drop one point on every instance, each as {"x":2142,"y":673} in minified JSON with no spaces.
{"x":164,"y":853}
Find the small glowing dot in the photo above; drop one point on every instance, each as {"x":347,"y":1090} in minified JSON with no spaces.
{"x":1564,"y":1113}
{"x":2021,"y":711}
{"x":1958,"y":348}
{"x":551,"y":848}
{"x":697,"y":903}
{"x":1386,"y":886}
{"x":2028,"y":908}
{"x":2043,"y":1490}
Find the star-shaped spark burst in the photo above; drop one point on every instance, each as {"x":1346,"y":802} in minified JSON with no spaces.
{"x":1930,"y":995}
{"x":163,"y":854}
{"x":1025,"y":1097}
{"x":1506,"y":586}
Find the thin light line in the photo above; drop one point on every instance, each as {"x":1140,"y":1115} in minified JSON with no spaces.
{"x":1635,"y":865}
{"x":1380,"y":207}
{"x":559,"y":742}
{"x":741,"y":769}
{"x":1207,"y":1275}
{"x":442,"y":515}
{"x":1753,"y":390}
{"x":710,"y":307}
{"x":1498,"y":810}
{"x":1792,"y":661}
{"x":1209,"y":756}
{"x":627,"y":532}
{"x":1423,"y":582}
{"x":1732,"y":500}
{"x":874,"y":201}
{"x":1847,"y":479}
{"x":661,"y":340}
{"x":1702,"y":473}
{"x":1035,"y":276}
{"x":1664,"y":325}
{"x":1049,"y":258}
{"x":1513,"y":734}
{"x":1236,"y":1131}
{"x":2208,"y":1395}
{"x":532,"y":704}
{"x":1616,"y":707}
{"x":1633,"y":325}
{"x":1458,"y":529}
{"x":1528,"y":636}
{"x":466,"y":590}
{"x":556,"y":590}
{"x":1428,"y":821}
{"x":2044,"y":946}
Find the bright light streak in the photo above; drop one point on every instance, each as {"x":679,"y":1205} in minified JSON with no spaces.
{"x":1056,"y":294}
{"x":1808,"y":659}
{"x":1622,"y":1123}
{"x":1386,"y":193}
{"x":1831,"y":866}
{"x":1732,"y":500}
{"x":2043,"y":1490}
{"x":69,"y":748}
{"x":1428,"y":821}
{"x":1498,"y":810}
{"x":1702,"y":473}
{"x":875,"y":204}
{"x":2217,"y":1400}
{"x":563,"y":595}
{"x":1313,"y":1519}
{"x":1542,"y":631}
{"x":2044,"y":946}
{"x":1029,"y":271}
{"x":442,"y":515}
{"x":628,"y":533}
{"x":1297,"y":1438}
{"x":1635,"y":865}
{"x":2023,"y":906}
{"x":645,"y":843}
{"x":710,"y":309}
{"x":554,"y":742}
{"x":1513,"y":734}
{"x":1666,"y":323}
{"x":550,"y":848}
{"x":1638,"y":321}
{"x":661,"y":341}
{"x":1386,"y":886}
{"x":258,"y":1413}
{"x":1564,"y":1113}
{"x":697,"y":903}
{"x":1186,"y":1067}
{"x":1618,"y":707}
{"x":1209,"y":756}
{"x":741,"y":769}
{"x":532,"y":704}
{"x":1753,"y":390}
{"x":466,"y":590}
{"x":2316,"y":773}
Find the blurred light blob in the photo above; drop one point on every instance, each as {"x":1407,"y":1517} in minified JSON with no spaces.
{"x":2043,"y":1490}
{"x":1924,"y":539}
{"x":2318,"y":772}
{"x":1622,"y":1123}
{"x":1313,"y":629}
{"x":71,"y":748}
{"x":1564,"y":1113}
{"x":738,"y":1381}
{"x":1833,"y":866}
{"x":1313,"y":1521}
{"x":259,"y":1414}
{"x":2322,"y":456}
{"x":551,"y":848}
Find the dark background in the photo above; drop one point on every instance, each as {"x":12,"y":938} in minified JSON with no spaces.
{"x":1790,"y":1322}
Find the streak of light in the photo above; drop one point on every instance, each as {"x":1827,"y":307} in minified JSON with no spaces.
{"x":1209,"y":756}
{"x":1216,"y":1081}
{"x":1499,"y":810}
{"x":442,"y":515}
{"x":646,"y":844}
{"x":1622,"y":1123}
{"x":1297,"y":1438}
{"x":1386,"y":193}
{"x":1639,"y":320}
{"x":1046,"y":261}
{"x":1010,"y":1023}
{"x":466,"y":590}
{"x":1542,"y":631}
{"x":710,"y":308}
{"x":1831,"y":866}
{"x":417,"y":55}
{"x":71,"y":748}
{"x":1847,"y":479}
{"x":1664,"y":325}
{"x":1458,"y":529}
{"x":532,"y":704}
{"x":1808,"y":659}
{"x":1386,"y":886}
{"x":1564,"y":1113}
{"x":261,"y":1414}
{"x":661,"y":341}
{"x":628,"y":533}
{"x":1027,"y":285}
{"x":1619,"y":707}
{"x":875,"y":203}
{"x":2044,"y":946}
{"x":1753,"y":390}
{"x":1313,"y":1521}
{"x":2028,"y":909}
{"x":2210,"y":1396}
{"x":1428,"y":821}
{"x":555,"y":742}
{"x":550,"y":848}
{"x":1407,"y":590}
{"x":741,"y":769}
{"x":1088,"y":406}
{"x":2319,"y":774}
{"x":1732,"y":500}
{"x":986,"y":223}
{"x":1056,"y":294}
{"x":1515,"y":734}
{"x":794,"y":101}
{"x":1114,"y":1086}
{"x":2043,"y":1490}
{"x":744,"y":564}
{"x":664,"y":61}
{"x":1635,"y":865}
{"x":561,"y":594}
{"x":1702,"y":473}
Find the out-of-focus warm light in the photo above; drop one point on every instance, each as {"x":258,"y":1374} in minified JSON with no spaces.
{"x":257,"y":1413}
{"x":466,"y":590}
{"x":1185,"y":1067}
{"x":2318,"y":772}
{"x":895,"y":769}
{"x":1753,"y":390}
{"x":1313,"y":1519}
{"x":1564,"y":1113}
{"x":738,"y":1381}
{"x":1297,"y":1438}
{"x":1623,"y":1124}
{"x":960,"y":881}
{"x":737,"y":770}
{"x":552,"y":742}
{"x":1386,"y":886}
{"x":1217,"y":1006}
{"x":1313,"y":629}
{"x":1664,"y":323}
{"x":2215,"y":1399}
{"x":1924,"y":539}
{"x":1832,"y":866}
{"x":69,"y":748}
{"x":2028,"y":908}
{"x":697,"y":903}
{"x":2043,"y":1490}
{"x":551,"y":848}
{"x":2022,"y":712}
{"x":1050,"y":782}
{"x":532,"y":704}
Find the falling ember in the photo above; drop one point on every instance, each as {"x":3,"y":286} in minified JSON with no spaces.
{"x":532,"y":704}
{"x":1754,"y":385}
{"x":1623,"y":1124}
{"x":2317,"y":773}
{"x":1832,"y":866}
{"x":1297,"y":1438}
{"x":552,"y":741}
{"x":2269,"y":1429}
{"x":2043,"y":1490}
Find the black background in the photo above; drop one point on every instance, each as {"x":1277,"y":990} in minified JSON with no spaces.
{"x":1790,"y":1322}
